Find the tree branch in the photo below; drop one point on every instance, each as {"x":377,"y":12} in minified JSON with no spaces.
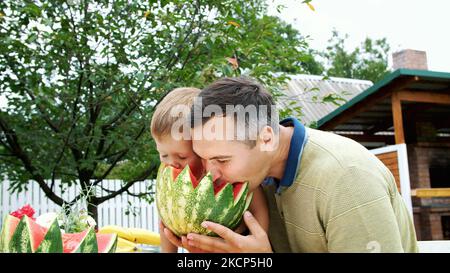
{"x":126,"y":111}
{"x":94,"y":113}
{"x":111,"y":155}
{"x":13,"y":66}
{"x":53,"y":126}
{"x":75,"y":152}
{"x":13,"y":142}
{"x":119,"y":157}
{"x":125,"y":188}
{"x":66,"y":142}
{"x":140,"y":194}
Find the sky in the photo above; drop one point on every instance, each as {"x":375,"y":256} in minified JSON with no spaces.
{"x":407,"y":24}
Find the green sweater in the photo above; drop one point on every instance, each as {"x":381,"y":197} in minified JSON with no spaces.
{"x":343,"y":199}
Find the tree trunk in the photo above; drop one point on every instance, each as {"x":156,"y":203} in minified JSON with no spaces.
{"x":93,"y":211}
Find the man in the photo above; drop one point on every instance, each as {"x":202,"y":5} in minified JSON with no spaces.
{"x":326,"y":193}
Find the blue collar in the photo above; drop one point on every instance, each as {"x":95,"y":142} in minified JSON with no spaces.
{"x":297,"y":144}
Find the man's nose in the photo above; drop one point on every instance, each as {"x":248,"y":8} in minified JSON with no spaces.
{"x":215,"y":172}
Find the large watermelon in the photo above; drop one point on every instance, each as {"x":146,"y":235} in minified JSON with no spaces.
{"x":184,"y":202}
{"x":25,"y":236}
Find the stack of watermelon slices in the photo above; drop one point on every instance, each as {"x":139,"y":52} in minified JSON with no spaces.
{"x":24,"y":235}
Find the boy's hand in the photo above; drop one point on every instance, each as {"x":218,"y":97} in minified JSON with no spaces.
{"x":232,"y":242}
{"x":177,"y":241}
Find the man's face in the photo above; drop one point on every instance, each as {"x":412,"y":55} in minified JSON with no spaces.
{"x":230,"y":160}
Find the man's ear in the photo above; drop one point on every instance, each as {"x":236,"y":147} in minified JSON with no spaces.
{"x":266,"y":139}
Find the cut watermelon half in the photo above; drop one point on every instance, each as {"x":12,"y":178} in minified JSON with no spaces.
{"x":218,"y":186}
{"x":184,"y":202}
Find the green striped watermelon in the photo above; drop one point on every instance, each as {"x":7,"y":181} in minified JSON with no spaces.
{"x":184,"y":202}
{"x":26,"y":236}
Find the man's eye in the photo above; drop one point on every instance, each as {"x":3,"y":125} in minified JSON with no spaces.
{"x":222,"y":161}
{"x":164,"y":156}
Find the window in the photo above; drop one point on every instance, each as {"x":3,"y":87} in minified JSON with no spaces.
{"x":446,"y":227}
{"x":440,"y":177}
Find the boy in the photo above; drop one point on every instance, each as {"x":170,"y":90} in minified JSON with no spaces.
{"x":179,"y":153}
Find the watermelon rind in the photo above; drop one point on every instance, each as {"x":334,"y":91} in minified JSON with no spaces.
{"x":52,"y":242}
{"x":182,"y":208}
{"x":22,"y":239}
{"x":88,"y":243}
{"x":9,"y":222}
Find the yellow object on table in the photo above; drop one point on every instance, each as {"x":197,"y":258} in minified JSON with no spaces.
{"x":125,"y":246}
{"x":133,"y":235}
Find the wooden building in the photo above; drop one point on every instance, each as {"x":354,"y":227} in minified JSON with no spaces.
{"x":405,"y":120}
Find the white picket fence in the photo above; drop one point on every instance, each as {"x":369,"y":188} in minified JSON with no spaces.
{"x":111,"y":212}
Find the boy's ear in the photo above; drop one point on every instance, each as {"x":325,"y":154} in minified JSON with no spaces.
{"x":267,"y":139}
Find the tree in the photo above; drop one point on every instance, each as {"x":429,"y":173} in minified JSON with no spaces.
{"x":311,"y":65}
{"x":81,"y":78}
{"x":367,"y":62}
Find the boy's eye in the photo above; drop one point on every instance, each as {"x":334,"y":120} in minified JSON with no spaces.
{"x":182,"y":157}
{"x":164,"y":156}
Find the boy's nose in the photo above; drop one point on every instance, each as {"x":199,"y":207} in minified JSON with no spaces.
{"x":173,"y":164}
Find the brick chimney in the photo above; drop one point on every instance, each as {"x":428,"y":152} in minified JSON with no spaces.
{"x":410,"y":59}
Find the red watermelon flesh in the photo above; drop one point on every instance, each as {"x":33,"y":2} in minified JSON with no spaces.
{"x":37,"y":233}
{"x":237,"y":188}
{"x":71,"y":241}
{"x":104,"y":242}
{"x":9,"y":226}
{"x":12,"y":222}
{"x":195,"y":180}
{"x":218,"y":185}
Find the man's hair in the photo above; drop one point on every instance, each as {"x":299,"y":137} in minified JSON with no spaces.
{"x":242,"y":94}
{"x":162,"y":119}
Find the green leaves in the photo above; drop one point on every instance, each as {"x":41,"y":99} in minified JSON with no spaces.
{"x":32,"y":10}
{"x":367,"y":62}
{"x":82,"y":78}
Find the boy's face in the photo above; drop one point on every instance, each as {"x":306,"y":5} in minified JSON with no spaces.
{"x":178,"y":154}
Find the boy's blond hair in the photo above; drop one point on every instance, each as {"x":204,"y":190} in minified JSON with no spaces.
{"x":162,"y":120}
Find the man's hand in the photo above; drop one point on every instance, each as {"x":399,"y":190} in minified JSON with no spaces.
{"x":230,"y":241}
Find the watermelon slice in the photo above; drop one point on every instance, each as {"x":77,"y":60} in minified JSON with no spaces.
{"x":25,"y":236}
{"x":105,"y":243}
{"x":9,"y":226}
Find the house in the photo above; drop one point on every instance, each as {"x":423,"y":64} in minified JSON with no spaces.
{"x":405,"y":120}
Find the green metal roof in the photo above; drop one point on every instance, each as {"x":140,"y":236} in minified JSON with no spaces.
{"x":422,"y":74}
